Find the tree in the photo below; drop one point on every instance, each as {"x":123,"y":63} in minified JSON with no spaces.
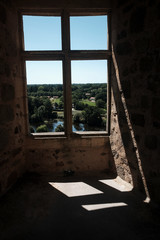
{"x":41,"y":112}
{"x":48,"y":108}
{"x":92,"y":116}
{"x":56,"y":105}
{"x":77,"y":118}
{"x":79,"y":105}
{"x":102,"y":95}
{"x":100,"y":103}
{"x":54,"y":115}
{"x":42,"y":128}
{"x":34,"y":118}
{"x":59,"y":128}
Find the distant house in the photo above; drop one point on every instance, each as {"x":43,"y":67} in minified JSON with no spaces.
{"x":87,"y":94}
{"x":92,"y":99}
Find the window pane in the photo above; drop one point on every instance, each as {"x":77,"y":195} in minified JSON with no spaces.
{"x":88,"y":33}
{"x":45,"y":96}
{"x":89,"y":95}
{"x":42,"y":33}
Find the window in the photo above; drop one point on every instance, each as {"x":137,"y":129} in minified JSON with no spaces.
{"x":66,"y":63}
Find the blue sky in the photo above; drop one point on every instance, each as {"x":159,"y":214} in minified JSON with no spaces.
{"x":44,"y":33}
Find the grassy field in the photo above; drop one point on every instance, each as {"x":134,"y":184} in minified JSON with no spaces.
{"x":89,"y":102}
{"x":75,"y":111}
{"x":56,"y":101}
{"x":60,"y":114}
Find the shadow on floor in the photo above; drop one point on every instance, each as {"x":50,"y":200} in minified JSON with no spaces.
{"x":35,"y":209}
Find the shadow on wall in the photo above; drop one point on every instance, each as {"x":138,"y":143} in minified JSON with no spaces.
{"x":131,"y":161}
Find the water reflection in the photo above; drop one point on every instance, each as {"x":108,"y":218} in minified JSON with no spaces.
{"x":78,"y":127}
{"x":52,"y":125}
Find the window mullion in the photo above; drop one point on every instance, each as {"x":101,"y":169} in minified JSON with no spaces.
{"x":90,"y":54}
{"x":67,"y":74}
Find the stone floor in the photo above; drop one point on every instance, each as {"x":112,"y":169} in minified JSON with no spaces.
{"x":76,"y":207}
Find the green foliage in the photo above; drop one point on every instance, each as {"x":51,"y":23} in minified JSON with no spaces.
{"x":89,"y":103}
{"x":77,"y":118}
{"x":42,"y":107}
{"x":78,"y":105}
{"x":92,"y":116}
{"x":59,"y":128}
{"x":101,"y":95}
{"x":42,"y":128}
{"x":100,"y":103}
{"x":48,"y":109}
{"x":54,"y":115}
{"x":45,"y":90}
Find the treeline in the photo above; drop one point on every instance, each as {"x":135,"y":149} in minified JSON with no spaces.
{"x":51,"y":90}
{"x":79,"y":91}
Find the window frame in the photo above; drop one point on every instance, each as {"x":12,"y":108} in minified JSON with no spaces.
{"x":66,"y":55}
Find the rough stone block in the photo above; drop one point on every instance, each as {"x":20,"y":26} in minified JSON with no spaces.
{"x":138,"y":119}
{"x":4,"y":138}
{"x":6,"y":113}
{"x":156,"y":125}
{"x":151,"y":142}
{"x":120,"y":3}
{"x":126,"y":139}
{"x":146,"y":64}
{"x":2,"y":66}
{"x":122,"y":34}
{"x":153,"y":83}
{"x":128,"y":8}
{"x":124,"y":48}
{"x":144,"y":102}
{"x":126,"y":87}
{"x":7,"y":92}
{"x":156,"y":108}
{"x":16,"y":151}
{"x":125,"y":72}
{"x":7,"y":70}
{"x":12,"y":178}
{"x":3,"y":15}
{"x":141,"y":45}
{"x":137,"y":20}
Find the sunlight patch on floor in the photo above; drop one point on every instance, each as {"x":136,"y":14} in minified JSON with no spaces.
{"x":93,"y":207}
{"x":75,"y":189}
{"x":118,"y":184}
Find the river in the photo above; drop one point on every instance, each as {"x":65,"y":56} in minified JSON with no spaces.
{"x":75,"y":127}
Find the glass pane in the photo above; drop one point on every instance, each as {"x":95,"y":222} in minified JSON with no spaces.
{"x":42,"y":33}
{"x":45,"y":96}
{"x":88,"y":33}
{"x":89,"y":95}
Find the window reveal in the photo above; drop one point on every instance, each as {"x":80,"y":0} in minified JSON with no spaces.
{"x":58,"y":51}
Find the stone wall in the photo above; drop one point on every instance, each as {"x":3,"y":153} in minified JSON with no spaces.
{"x":18,"y":152}
{"x":79,"y":154}
{"x":37,"y":4}
{"x":135,"y":118}
{"x":11,"y":104}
